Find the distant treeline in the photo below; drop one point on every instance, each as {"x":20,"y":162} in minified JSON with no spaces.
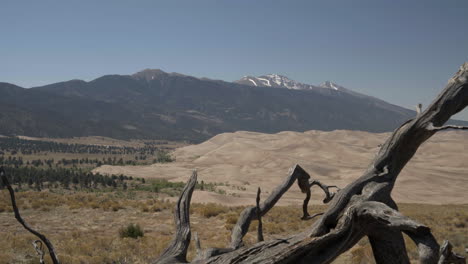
{"x":161,"y":157}
{"x":28,"y":147}
{"x":38,"y":179}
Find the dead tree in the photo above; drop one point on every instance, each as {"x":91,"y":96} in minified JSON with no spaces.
{"x":43,"y":239}
{"x":363,"y":208}
{"x":259,"y":217}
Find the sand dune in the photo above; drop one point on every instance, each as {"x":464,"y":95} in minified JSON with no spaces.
{"x":438,"y":173}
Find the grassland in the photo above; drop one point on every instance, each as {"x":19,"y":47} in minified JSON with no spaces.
{"x":85,"y":226}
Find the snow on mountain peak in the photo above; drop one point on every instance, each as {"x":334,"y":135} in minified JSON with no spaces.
{"x":280,"y":81}
{"x":331,"y":85}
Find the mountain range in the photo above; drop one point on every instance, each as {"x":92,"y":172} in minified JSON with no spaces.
{"x":153,"y":104}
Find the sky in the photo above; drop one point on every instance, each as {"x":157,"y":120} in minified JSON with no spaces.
{"x":400,"y":51}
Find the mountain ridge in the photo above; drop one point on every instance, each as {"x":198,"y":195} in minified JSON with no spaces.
{"x":174,"y":106}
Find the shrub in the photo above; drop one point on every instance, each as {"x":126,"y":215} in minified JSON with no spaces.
{"x":210,"y":209}
{"x":116,"y":207}
{"x":94,"y":205}
{"x":232,"y":218}
{"x":459,"y":223}
{"x":157,"y":208}
{"x":132,"y":230}
{"x":163,"y":157}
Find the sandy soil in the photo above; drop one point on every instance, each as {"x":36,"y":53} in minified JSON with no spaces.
{"x":245,"y":160}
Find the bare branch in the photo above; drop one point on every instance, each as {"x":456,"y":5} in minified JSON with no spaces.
{"x":249,"y":213}
{"x":310,"y":217}
{"x":326,"y":189}
{"x":367,"y":218}
{"x":388,"y":247}
{"x":176,"y":252}
{"x":306,"y":187}
{"x":259,"y":217}
{"x":383,"y":219}
{"x":449,"y":257}
{"x":197,"y":245}
{"x":39,"y":247}
{"x":18,"y":217}
{"x":418,"y":109}
{"x":431,"y":127}
{"x":305,"y":205}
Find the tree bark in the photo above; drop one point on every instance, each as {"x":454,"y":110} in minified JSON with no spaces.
{"x":176,"y":252}
{"x":259,"y":217}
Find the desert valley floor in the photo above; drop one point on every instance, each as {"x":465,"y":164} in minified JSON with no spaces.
{"x":243,"y":161}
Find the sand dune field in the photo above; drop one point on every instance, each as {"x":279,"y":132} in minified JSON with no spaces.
{"x":242,"y":161}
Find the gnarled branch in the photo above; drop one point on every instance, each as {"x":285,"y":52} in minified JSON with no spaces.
{"x":259,"y":217}
{"x":249,"y":213}
{"x":397,"y":151}
{"x":18,"y":217}
{"x":39,"y":247}
{"x":431,"y":127}
{"x":176,"y":252}
{"x":449,"y":257}
{"x":252,"y":213}
{"x":197,"y":246}
{"x":307,"y":189}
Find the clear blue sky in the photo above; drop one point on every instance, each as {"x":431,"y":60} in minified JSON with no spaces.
{"x":400,"y":51}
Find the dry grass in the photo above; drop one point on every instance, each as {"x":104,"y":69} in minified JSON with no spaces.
{"x":84,"y":226}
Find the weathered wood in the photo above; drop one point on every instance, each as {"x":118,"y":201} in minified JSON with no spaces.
{"x":18,"y":217}
{"x":259,"y":217}
{"x":39,"y":247}
{"x":306,"y":187}
{"x":433,"y":128}
{"x":397,"y":151}
{"x":176,"y":252}
{"x":252,"y":213}
{"x":448,"y":257}
{"x":197,"y":246}
{"x":249,"y":213}
{"x":357,"y":221}
{"x":388,"y":247}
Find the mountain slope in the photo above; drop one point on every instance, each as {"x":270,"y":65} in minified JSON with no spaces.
{"x":159,"y":105}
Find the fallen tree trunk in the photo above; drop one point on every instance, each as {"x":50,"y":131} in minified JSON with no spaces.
{"x":363,"y":208}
